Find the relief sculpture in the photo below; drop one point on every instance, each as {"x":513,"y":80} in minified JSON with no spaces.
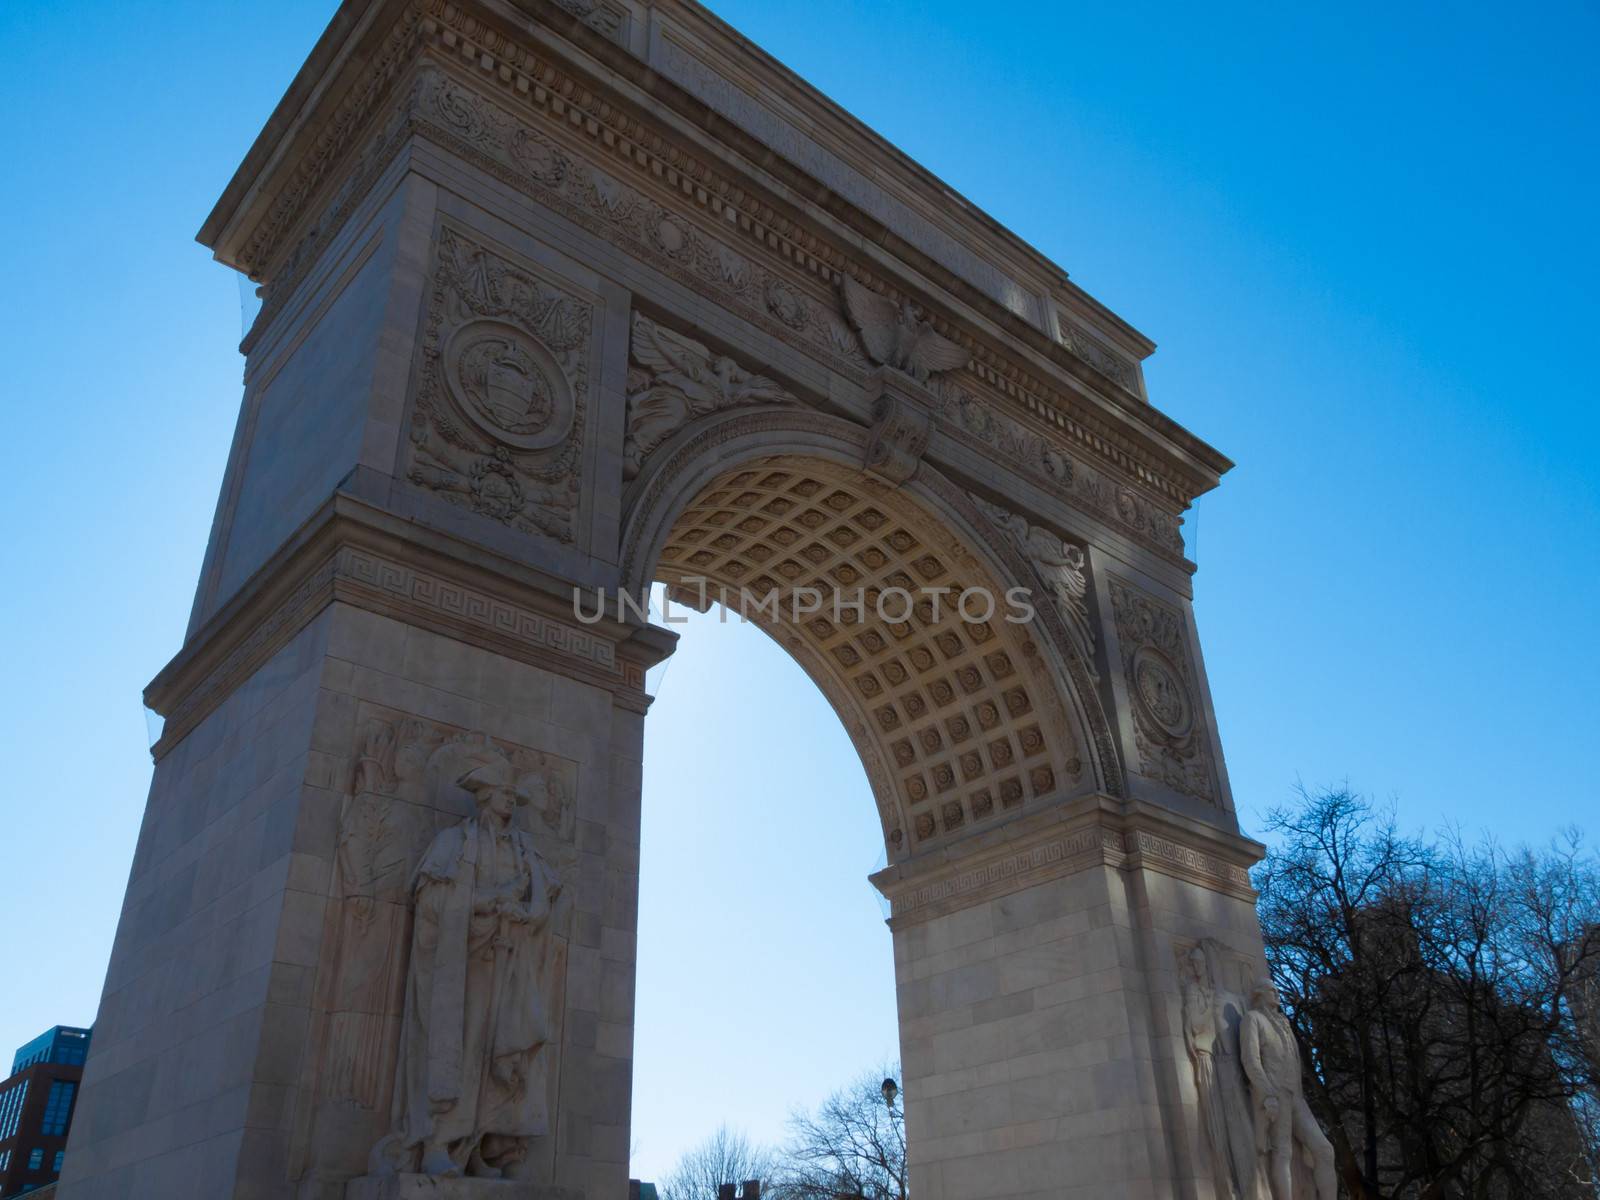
{"x":1258,"y":1138}
{"x":680,"y":381}
{"x":471,"y":1088}
{"x":1288,"y":1139}
{"x":1064,"y":568}
{"x":897,"y":336}
{"x":455,"y":862}
{"x":502,"y":392}
{"x":1168,"y":726}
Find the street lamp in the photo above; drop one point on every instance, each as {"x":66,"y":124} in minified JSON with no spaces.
{"x":890,"y":1090}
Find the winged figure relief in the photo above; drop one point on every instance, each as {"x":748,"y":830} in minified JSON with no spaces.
{"x":685,"y":381}
{"x":897,"y":336}
{"x":1062,"y":566}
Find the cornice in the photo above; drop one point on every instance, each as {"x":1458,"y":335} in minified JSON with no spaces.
{"x":910,"y":181}
{"x":324,"y":110}
{"x":538,"y":69}
{"x":356,"y":554}
{"x":1078,"y":834}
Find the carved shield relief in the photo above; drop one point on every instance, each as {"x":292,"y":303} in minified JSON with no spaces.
{"x":1170,"y":735}
{"x":502,"y":390}
{"x":402,"y":792}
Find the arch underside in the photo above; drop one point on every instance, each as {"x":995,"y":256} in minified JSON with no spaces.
{"x":956,"y":720}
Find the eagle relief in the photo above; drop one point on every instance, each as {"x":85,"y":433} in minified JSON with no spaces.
{"x":502,"y":391}
{"x":897,"y":336}
{"x":1062,"y":565}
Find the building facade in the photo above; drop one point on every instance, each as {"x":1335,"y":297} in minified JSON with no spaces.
{"x":36,"y":1107}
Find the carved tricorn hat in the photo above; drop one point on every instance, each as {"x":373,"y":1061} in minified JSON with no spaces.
{"x":494,"y":773}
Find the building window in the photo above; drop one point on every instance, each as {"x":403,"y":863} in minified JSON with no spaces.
{"x":11,"y":1109}
{"x":5,"y":1159}
{"x":56,"y":1165}
{"x":58,"y":1107}
{"x":36,"y":1158}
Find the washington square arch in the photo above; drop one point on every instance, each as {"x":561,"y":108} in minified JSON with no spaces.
{"x":561,"y":298}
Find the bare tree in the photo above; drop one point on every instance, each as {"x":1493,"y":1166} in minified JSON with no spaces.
{"x":1435,"y":992}
{"x":725,"y":1157}
{"x":853,"y":1147}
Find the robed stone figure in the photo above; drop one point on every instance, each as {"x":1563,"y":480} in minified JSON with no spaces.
{"x":1284,"y":1121}
{"x":471,"y":1086}
{"x":1257,"y":1131}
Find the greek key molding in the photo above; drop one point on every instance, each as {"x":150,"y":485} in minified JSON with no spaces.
{"x":1163,"y":853}
{"x":356,"y":568}
{"x":188,"y":690}
{"x":269,"y":635}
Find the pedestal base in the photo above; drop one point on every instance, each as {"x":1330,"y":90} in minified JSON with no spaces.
{"x":426,"y":1187}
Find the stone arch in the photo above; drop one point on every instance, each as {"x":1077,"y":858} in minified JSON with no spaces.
{"x":959,"y":723}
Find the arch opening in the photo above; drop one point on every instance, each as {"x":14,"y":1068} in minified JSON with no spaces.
{"x":926,"y":655}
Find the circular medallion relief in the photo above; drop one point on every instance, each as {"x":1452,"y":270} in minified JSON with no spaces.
{"x":508,"y":385}
{"x":1162,"y":693}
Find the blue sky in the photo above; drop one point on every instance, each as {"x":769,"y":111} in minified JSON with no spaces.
{"x":1363,"y":236}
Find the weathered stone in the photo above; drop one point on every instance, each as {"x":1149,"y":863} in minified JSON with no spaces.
{"x":555,"y":300}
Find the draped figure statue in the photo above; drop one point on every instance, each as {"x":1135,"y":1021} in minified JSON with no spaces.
{"x":1201,"y":1028}
{"x":1284,"y":1121}
{"x":471,"y":1086}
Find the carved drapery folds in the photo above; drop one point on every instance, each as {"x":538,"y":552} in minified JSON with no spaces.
{"x":472,"y":1089}
{"x":1168,"y":724}
{"x":406,"y":794}
{"x":1062,"y":565}
{"x":503,"y":391}
{"x":678,"y":381}
{"x":1257,"y":1137}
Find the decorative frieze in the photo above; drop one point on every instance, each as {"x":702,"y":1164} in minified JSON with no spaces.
{"x":1157,"y":664}
{"x":742,"y":281}
{"x":344,"y":127}
{"x":473,"y":610}
{"x":1118,"y":504}
{"x":608,"y":20}
{"x":596,"y":199}
{"x":1103,"y":359}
